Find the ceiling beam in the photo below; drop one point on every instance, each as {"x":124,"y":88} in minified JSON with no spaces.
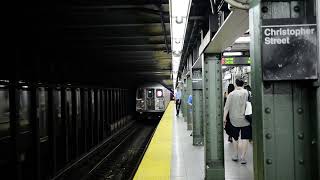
{"x":118,"y":3}
{"x":163,"y":26}
{"x":129,"y":38}
{"x":117,"y":25}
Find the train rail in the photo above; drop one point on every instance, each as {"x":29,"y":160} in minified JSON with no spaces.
{"x":117,"y":158}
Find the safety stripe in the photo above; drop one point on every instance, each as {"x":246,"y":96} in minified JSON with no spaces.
{"x":156,"y":163}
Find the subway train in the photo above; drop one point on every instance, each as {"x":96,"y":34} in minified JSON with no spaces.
{"x":151,"y":101}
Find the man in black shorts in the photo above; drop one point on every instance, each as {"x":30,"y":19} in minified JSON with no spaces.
{"x":177,"y":96}
{"x":235,"y":106}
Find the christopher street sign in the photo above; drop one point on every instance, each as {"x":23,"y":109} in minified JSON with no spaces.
{"x":289,"y":52}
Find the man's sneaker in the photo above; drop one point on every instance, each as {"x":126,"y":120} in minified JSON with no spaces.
{"x":235,"y":158}
{"x":243,"y":161}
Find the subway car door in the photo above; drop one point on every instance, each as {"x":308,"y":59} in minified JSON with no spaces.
{"x":159,"y":99}
{"x":150,"y":99}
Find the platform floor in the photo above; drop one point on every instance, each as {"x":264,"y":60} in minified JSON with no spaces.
{"x":171,"y":154}
{"x":187,"y":161}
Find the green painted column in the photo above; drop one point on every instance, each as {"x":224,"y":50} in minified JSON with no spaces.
{"x":284,"y":112}
{"x":189,"y":108}
{"x":213,"y":123}
{"x":197,"y":107}
{"x":318,"y":90}
{"x":184,"y":99}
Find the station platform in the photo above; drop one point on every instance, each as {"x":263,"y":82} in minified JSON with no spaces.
{"x":171,"y":155}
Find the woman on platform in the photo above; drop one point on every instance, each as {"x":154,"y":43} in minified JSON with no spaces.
{"x":228,"y":123}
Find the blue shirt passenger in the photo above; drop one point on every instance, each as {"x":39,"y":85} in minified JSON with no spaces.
{"x":190,"y":102}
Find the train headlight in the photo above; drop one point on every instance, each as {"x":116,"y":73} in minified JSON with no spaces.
{"x":159,"y":93}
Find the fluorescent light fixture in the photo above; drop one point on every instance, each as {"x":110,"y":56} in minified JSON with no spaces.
{"x":178,"y":41}
{"x":232,"y":54}
{"x":178,"y":30}
{"x":180,"y":8}
{"x":179,"y":13}
{"x":227,"y":76}
{"x":179,"y":19}
{"x":243,"y":39}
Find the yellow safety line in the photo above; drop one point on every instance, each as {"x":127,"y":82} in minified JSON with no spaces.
{"x":156,"y":162}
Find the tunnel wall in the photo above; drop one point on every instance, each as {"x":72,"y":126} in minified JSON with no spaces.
{"x":49,"y":126}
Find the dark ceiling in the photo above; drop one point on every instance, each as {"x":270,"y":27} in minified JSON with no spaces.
{"x":93,"y":41}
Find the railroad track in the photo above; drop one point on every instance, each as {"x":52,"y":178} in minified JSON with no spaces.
{"x":118,"y":159}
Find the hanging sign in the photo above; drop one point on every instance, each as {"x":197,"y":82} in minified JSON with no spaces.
{"x":235,"y":61}
{"x":289,"y":52}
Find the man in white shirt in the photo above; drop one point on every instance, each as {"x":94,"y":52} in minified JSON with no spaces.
{"x":235,"y":106}
{"x":178,"y":100}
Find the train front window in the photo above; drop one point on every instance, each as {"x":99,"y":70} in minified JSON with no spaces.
{"x":140,"y":94}
{"x":159,"y":93}
{"x":150,"y":93}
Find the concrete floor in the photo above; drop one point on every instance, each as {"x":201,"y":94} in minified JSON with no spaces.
{"x":188,"y":161}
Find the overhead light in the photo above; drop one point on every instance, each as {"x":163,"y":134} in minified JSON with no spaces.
{"x":229,"y":48}
{"x":243,"y":39}
{"x":227,"y":76}
{"x":179,"y":13}
{"x":179,"y":19}
{"x":232,"y":54}
{"x":176,"y":53}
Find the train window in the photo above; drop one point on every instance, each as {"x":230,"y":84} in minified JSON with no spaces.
{"x":159,"y":93}
{"x":24,"y":110}
{"x":42,"y":110}
{"x":4,"y":113}
{"x":150,"y":93}
{"x":140,"y":94}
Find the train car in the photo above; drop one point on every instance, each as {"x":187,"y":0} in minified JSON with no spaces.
{"x":151,"y":101}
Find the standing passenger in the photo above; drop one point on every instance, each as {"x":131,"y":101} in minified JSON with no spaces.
{"x":178,"y":100}
{"x":235,"y":106}
{"x":248,"y":88}
{"x":227,"y":126}
{"x":190,"y":106}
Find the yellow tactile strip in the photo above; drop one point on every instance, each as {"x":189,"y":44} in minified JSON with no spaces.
{"x":156,"y":162}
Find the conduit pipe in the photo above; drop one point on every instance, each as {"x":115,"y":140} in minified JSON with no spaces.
{"x":240,"y":4}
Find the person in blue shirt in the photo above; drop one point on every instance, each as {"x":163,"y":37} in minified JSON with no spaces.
{"x":190,"y":106}
{"x":190,"y":101}
{"x":177,"y":97}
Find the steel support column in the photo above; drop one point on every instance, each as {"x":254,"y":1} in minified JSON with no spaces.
{"x":14,"y":162}
{"x":284,"y":112}
{"x":35,"y":132}
{"x":197,"y":107}
{"x":189,"y":108}
{"x":213,"y":126}
{"x":184,"y":98}
{"x":318,"y":89}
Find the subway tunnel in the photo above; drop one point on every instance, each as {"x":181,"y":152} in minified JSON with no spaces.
{"x":93,"y":90}
{"x":72,"y":81}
